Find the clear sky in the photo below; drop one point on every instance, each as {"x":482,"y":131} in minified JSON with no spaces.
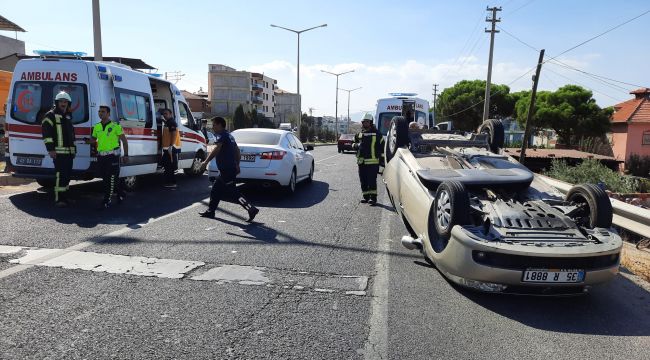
{"x":405,"y":45}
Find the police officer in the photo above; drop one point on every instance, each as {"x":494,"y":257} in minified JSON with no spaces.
{"x":369,"y":144}
{"x":107,"y":136}
{"x":227,"y":153}
{"x":58,"y":136}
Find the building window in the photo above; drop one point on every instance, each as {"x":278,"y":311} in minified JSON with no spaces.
{"x":646,"y":138}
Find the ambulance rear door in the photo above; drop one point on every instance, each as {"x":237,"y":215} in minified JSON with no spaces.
{"x":35,"y":84}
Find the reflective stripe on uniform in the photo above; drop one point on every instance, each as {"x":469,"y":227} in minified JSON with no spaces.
{"x":372,"y":147}
{"x":48,"y":121}
{"x":370,"y":192}
{"x":370,"y":161}
{"x":48,"y":140}
{"x":65,"y":150}
{"x":59,"y":130}
{"x":56,"y":187}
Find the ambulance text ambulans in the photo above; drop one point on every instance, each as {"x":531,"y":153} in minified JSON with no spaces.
{"x":134,"y":98}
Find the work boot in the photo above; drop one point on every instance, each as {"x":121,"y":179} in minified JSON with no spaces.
{"x":105,"y":205}
{"x":251,"y":214}
{"x":372,"y":201}
{"x":363,"y":201}
{"x":120,"y":198}
{"x":207,"y":214}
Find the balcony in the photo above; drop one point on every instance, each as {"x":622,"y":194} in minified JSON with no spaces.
{"x":257,"y":87}
{"x":256,"y":99}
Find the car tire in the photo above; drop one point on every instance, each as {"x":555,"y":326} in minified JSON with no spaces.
{"x":310,"y":178}
{"x":129,"y":183}
{"x":195,"y":169}
{"x":398,"y":136}
{"x":599,"y":207}
{"x":291,"y":187}
{"x":46,"y":183}
{"x":496,"y":134}
{"x":450,"y":207}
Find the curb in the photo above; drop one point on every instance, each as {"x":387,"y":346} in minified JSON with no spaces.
{"x":8,"y":180}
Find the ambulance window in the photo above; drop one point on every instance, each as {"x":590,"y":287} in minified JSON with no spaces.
{"x":26,"y":102}
{"x":384,"y":121}
{"x":31,"y":100}
{"x":78,"y":95}
{"x":134,"y":108}
{"x":185,"y":115}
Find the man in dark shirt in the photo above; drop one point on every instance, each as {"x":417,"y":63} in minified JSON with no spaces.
{"x":227,"y":153}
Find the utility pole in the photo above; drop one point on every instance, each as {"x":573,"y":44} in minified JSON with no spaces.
{"x":97,"y":31}
{"x":349,"y":91}
{"x":531,"y":109}
{"x":494,"y":21}
{"x":174,"y":76}
{"x":435,"y":96}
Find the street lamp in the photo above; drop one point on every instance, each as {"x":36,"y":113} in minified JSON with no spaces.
{"x":349,"y":91}
{"x":298,"y":32}
{"x":336,"y":114}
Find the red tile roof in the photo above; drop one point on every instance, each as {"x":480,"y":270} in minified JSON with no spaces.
{"x":634,"y":110}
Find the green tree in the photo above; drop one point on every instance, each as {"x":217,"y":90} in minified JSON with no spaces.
{"x":463,"y":103}
{"x":570,"y":110}
{"x":241,"y":119}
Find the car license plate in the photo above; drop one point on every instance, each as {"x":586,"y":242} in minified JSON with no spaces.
{"x":553,"y":276}
{"x":29,"y":160}
{"x":248,"y":157}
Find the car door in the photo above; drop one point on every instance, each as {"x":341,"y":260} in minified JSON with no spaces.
{"x":304,"y":158}
{"x":413,"y":196}
{"x":296,"y":153}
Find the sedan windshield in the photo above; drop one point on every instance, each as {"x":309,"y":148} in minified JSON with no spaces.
{"x":256,"y":137}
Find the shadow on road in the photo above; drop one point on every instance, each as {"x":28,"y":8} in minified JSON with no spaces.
{"x":306,"y":195}
{"x":602,"y":312}
{"x":150,"y":200}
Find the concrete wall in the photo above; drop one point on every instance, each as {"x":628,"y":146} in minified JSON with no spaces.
{"x":618,"y":138}
{"x":635,"y":139}
{"x":10,"y":46}
{"x":286,"y":107}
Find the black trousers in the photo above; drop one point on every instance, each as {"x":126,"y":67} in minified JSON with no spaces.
{"x":225,"y":188}
{"x":368,"y":180}
{"x":63,"y":171}
{"x":170,"y":164}
{"x":109,"y":170}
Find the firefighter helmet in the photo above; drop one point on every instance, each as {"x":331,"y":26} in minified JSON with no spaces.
{"x":63,"y":96}
{"x":367,"y":117}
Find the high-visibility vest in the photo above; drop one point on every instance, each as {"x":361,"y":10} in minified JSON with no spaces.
{"x":108,"y":137}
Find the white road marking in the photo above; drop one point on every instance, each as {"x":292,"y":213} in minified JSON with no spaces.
{"x":327,"y":158}
{"x":376,"y":346}
{"x":49,"y":255}
{"x":179,"y":269}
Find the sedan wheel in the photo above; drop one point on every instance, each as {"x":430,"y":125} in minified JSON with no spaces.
{"x":291,"y":188}
{"x":311,"y":174}
{"x":195,"y":170}
{"x":450,"y":207}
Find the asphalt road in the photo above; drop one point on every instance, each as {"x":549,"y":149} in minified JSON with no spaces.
{"x":317,"y":276}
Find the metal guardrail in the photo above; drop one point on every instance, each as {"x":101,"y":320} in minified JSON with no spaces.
{"x":632,"y":218}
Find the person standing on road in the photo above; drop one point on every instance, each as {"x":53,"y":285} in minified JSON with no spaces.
{"x":227,"y":153}
{"x":369,"y":144}
{"x":107,"y":136}
{"x":58,"y":136}
{"x":171,"y":146}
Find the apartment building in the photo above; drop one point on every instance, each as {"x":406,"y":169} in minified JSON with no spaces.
{"x":229,"y":88}
{"x":286,"y":107}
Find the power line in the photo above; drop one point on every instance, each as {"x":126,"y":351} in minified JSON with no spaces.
{"x":582,"y":84}
{"x":599,"y":35}
{"x":519,"y":8}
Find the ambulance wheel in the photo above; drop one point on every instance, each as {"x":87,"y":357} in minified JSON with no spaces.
{"x":46,"y":183}
{"x":195,"y":169}
{"x":129,"y":183}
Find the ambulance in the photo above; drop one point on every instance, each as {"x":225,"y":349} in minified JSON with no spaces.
{"x":387,"y":108}
{"x":134,"y":97}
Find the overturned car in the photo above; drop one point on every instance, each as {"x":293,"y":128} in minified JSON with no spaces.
{"x":488,"y":223}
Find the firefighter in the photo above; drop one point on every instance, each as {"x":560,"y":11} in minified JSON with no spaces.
{"x":58,"y":136}
{"x":369,"y":144}
{"x":107,"y":136}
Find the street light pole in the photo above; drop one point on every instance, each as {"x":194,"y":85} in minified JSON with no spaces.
{"x":298,"y":32}
{"x":97,"y":31}
{"x":349,"y":91}
{"x":336,"y":111}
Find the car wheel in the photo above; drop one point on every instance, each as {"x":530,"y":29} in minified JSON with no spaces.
{"x":291,"y":187}
{"x":496,"y":135}
{"x":450,"y":207}
{"x":397,"y":136}
{"x":311,"y":174}
{"x":596,"y":207}
{"x":46,"y":183}
{"x":195,"y":169}
{"x":129,"y":183}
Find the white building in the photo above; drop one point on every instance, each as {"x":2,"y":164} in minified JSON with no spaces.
{"x":286,"y":106}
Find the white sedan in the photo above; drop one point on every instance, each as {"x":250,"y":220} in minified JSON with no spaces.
{"x":271,"y":157}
